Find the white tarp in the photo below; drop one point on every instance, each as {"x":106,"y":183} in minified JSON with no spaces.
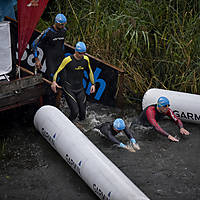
{"x":5,"y":48}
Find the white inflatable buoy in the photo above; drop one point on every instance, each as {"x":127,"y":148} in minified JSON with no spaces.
{"x":99,"y":173}
{"x":184,"y":105}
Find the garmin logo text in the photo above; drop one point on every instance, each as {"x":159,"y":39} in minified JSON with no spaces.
{"x":189,"y":116}
{"x":60,"y":38}
{"x":48,"y":137}
{"x":100,"y":193}
{"x":73,"y":165}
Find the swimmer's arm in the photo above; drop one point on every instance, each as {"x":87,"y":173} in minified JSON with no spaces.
{"x":178,"y":122}
{"x":61,"y":67}
{"x":128,"y":133}
{"x":112,"y":138}
{"x":91,"y":75}
{"x":151,"y":119}
{"x":172,"y":116}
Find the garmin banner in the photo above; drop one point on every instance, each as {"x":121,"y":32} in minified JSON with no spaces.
{"x":106,"y":76}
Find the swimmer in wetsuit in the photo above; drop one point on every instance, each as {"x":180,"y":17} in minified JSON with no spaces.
{"x":153,"y":113}
{"x":51,"y":41}
{"x":71,"y":72}
{"x":110,"y":130}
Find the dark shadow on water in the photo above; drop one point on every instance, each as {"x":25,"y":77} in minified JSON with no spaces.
{"x":31,"y":169}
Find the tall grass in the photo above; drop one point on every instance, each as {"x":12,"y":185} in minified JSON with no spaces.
{"x":157,"y":43}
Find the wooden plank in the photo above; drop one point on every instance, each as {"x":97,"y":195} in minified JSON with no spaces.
{"x":25,"y":95}
{"x":12,"y":87}
{"x":30,"y":101}
{"x":31,"y":73}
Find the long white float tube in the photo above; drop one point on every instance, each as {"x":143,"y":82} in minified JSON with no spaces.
{"x":100,"y":174}
{"x":184,"y":105}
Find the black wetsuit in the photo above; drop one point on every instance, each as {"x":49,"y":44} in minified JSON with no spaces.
{"x":52,"y":44}
{"x":151,"y":115}
{"x":72,"y":84}
{"x":107,"y":130}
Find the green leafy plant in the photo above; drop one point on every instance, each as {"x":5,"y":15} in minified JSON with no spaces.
{"x":156,"y":43}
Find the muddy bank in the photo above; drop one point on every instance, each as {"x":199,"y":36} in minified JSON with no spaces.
{"x":30,"y":169}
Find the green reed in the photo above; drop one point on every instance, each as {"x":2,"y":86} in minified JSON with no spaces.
{"x":156,"y":43}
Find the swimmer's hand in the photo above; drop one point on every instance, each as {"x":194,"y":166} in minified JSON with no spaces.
{"x":130,"y":148}
{"x":170,"y":137}
{"x":127,"y":147}
{"x":184,"y":131}
{"x":54,"y":85}
{"x":134,"y":144}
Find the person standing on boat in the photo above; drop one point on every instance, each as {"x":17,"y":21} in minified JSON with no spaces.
{"x":153,"y":113}
{"x":72,"y":68}
{"x":111,"y":129}
{"x":51,"y":41}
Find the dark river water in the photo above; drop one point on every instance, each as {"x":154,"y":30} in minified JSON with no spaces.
{"x":30,"y":169}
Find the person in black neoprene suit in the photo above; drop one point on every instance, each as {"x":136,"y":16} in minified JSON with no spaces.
{"x":51,"y":41}
{"x":71,"y":72}
{"x":110,"y":130}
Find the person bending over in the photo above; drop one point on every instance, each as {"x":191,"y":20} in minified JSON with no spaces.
{"x":153,"y":113}
{"x":110,"y":130}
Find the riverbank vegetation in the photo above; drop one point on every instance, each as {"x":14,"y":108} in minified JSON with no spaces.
{"x":156,"y":43}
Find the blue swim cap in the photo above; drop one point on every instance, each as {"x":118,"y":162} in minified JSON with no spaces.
{"x":119,"y":124}
{"x":163,"y":101}
{"x":80,"y":47}
{"x":60,"y":18}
